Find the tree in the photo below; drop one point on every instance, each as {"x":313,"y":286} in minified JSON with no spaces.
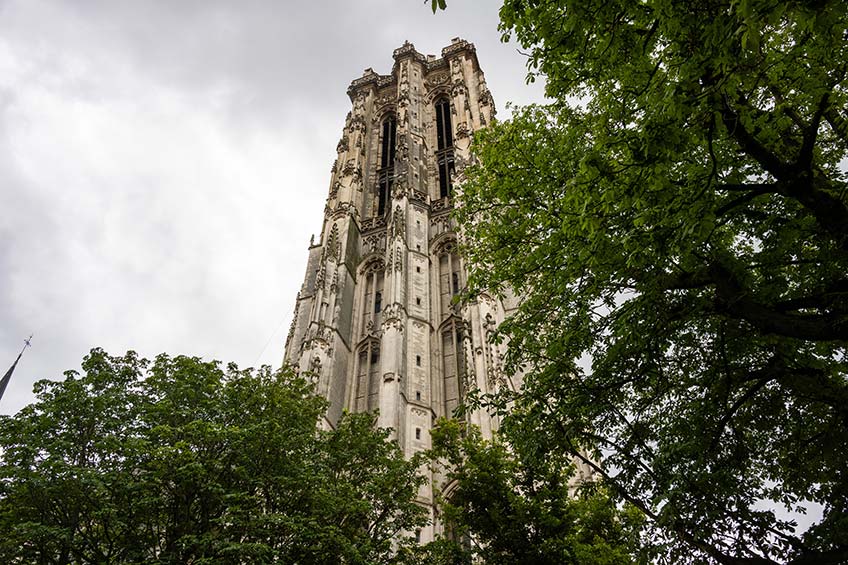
{"x":516,"y":509}
{"x":181,"y":461}
{"x":676,"y":224}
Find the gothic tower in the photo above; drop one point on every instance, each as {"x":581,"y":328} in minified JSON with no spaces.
{"x":375,"y":322}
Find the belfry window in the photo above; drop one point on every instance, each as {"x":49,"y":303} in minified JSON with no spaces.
{"x":386,"y":171}
{"x":444,"y":146}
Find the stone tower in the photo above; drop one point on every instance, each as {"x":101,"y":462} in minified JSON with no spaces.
{"x":375,"y":322}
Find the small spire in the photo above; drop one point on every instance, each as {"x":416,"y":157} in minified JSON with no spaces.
{"x":8,"y":376}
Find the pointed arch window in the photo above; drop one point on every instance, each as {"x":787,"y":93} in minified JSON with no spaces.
{"x":368,"y":377}
{"x":449,"y":278}
{"x":444,"y":146}
{"x":453,"y":365}
{"x":386,"y":171}
{"x":372,"y":298}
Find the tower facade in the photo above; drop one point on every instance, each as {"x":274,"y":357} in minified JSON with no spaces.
{"x":375,"y":321}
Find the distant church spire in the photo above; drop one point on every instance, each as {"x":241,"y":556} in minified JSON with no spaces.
{"x":8,"y":376}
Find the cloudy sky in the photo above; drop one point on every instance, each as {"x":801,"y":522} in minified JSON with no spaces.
{"x":163,"y":164}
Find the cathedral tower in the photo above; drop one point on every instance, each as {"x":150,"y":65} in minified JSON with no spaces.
{"x":375,"y":321}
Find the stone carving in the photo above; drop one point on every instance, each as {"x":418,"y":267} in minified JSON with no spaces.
{"x":393,"y":317}
{"x":372,"y":264}
{"x":486,"y":97}
{"x":334,"y":246}
{"x":418,"y":196}
{"x":438,"y":79}
{"x":447,"y":245}
{"x":402,"y":149}
{"x":373,"y":223}
{"x":462,"y":130}
{"x":440,"y":204}
{"x":400,"y":188}
{"x":319,"y":278}
{"x":343,"y":209}
{"x":456,"y":72}
{"x":398,"y":259}
{"x":350,"y":167}
{"x":406,"y":49}
{"x":373,"y":243}
{"x":315,"y":368}
{"x":318,"y":336}
{"x":398,"y":227}
{"x":457,"y":45}
{"x":359,"y":103}
{"x":342,"y":145}
{"x":357,"y":124}
{"x":294,"y":320}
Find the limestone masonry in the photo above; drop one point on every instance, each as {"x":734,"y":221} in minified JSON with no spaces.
{"x":375,"y":323}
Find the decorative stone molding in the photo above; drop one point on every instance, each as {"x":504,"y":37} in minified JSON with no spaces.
{"x":398,"y":259}
{"x":357,"y":124}
{"x":373,"y":223}
{"x":334,"y":189}
{"x":343,"y":209}
{"x":406,"y":49}
{"x":374,"y":243}
{"x":351,"y":168}
{"x":436,"y":79}
{"x":393,"y":315}
{"x":458,"y":45}
{"x":400,"y":188}
{"x":435,"y":64}
{"x":372,"y":263}
{"x":444,"y":245}
{"x":333,"y":248}
{"x":441,"y":204}
{"x":418,"y":196}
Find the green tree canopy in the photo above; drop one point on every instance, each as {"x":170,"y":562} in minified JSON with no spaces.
{"x":182,"y":461}
{"x":514,"y":509}
{"x":684,"y":232}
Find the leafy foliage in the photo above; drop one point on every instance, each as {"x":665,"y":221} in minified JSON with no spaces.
{"x":686,"y":230}
{"x":515,"y":509}
{"x":181,"y":461}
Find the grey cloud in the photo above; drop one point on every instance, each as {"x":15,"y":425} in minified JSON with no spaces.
{"x":162,"y":164}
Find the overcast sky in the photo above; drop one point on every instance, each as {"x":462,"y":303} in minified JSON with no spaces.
{"x":163,"y":164}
